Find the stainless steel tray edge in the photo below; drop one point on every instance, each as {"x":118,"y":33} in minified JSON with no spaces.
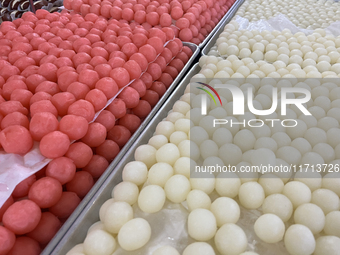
{"x":60,"y":234}
{"x":90,"y":214}
{"x":230,"y":14}
{"x":220,"y":23}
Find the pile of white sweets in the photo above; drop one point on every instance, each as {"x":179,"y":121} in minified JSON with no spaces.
{"x":308,"y":14}
{"x":301,"y":212}
{"x":313,"y":56}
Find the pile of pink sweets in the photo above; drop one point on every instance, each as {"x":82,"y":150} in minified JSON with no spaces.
{"x":56,"y":71}
{"x":191,"y":20}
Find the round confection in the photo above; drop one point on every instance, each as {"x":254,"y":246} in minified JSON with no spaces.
{"x":279,"y":205}
{"x":177,"y":188}
{"x":199,"y":248}
{"x":146,"y":154}
{"x":326,"y":199}
{"x":271,"y":184}
{"x":299,"y":240}
{"x":332,"y":223}
{"x":134,"y":234}
{"x":159,"y":174}
{"x":99,"y":242}
{"x":165,"y":128}
{"x":329,"y":245}
{"x":168,"y":153}
{"x":201,"y":224}
{"x":230,"y":180}
{"x":16,"y":139}
{"x":45,"y":192}
{"x":297,"y":192}
{"x":226,"y":210}
{"x":251,"y":195}
{"x":135,"y":172}
{"x":269,"y":228}
{"x":230,"y":239}
{"x":126,"y":192}
{"x":116,"y":215}
{"x":166,"y":250}
{"x":7,"y":240}
{"x":151,"y":199}
{"x":66,"y":205}
{"x":198,"y":199}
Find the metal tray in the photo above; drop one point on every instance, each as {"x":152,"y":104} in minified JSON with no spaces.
{"x":90,"y":213}
{"x":231,"y":12}
{"x":124,"y":151}
{"x":219,"y":29}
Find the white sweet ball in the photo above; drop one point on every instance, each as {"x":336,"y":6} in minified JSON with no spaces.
{"x":315,"y":135}
{"x":271,"y":184}
{"x":173,"y":116}
{"x":251,"y":195}
{"x":177,"y":188}
{"x":181,"y":107}
{"x":266,"y":142}
{"x":183,"y":125}
{"x":190,"y":149}
{"x":282,"y":139}
{"x":269,"y":228}
{"x":297,"y":192}
{"x":158,"y":141}
{"x":230,"y":154}
{"x":333,"y":137}
{"x":312,"y":179}
{"x":165,"y":128}
{"x":166,"y":250}
{"x":279,"y":205}
{"x":183,"y":166}
{"x":208,"y":148}
{"x":198,"y":135}
{"x":332,"y":224}
{"x":135,"y":172}
{"x":226,"y":210}
{"x":245,"y":140}
{"x":249,"y":253}
{"x":177,"y":137}
{"x":222,"y":136}
{"x":151,"y":199}
{"x":327,"y":245}
{"x":198,"y":199}
{"x":331,"y":181}
{"x":117,"y":214}
{"x":95,"y":226}
{"x":299,"y":240}
{"x":227,"y":184}
{"x":146,"y":154}
{"x":104,"y":207}
{"x":168,"y":153}
{"x":134,"y":234}
{"x":159,"y":173}
{"x":76,"y":250}
{"x":263,"y":156}
{"x":311,"y":216}
{"x":326,"y":199}
{"x":325,"y":151}
{"x":99,"y":242}
{"x":125,"y":192}
{"x":230,"y":239}
{"x":302,"y":145}
{"x":312,"y":159}
{"x":289,"y":154}
{"x":199,"y":248}
{"x":201,"y":224}
{"x":206,"y":184}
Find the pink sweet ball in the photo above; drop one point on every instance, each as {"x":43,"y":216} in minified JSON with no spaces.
{"x":151,"y":97}
{"x":78,"y":89}
{"x":54,"y":144}
{"x":81,"y":184}
{"x":121,"y":76}
{"x":80,"y":153}
{"x":97,"y":98}
{"x":139,"y":86}
{"x":22,"y":95}
{"x":45,"y":192}
{"x":82,"y":108}
{"x":25,"y":245}
{"x":95,"y":135}
{"x":14,"y":118}
{"x":62,"y":101}
{"x":108,"y":86}
{"x":131,"y":122}
{"x":97,"y":165}
{"x":16,"y":139}
{"x":41,"y":124}
{"x":7,"y":240}
{"x":108,"y":149}
{"x":119,"y":134}
{"x":75,"y":127}
{"x":62,"y":169}
{"x":21,"y":190}
{"x":66,"y":205}
{"x":107,"y":119}
{"x":141,"y":61}
{"x":22,"y":217}
{"x":130,"y":97}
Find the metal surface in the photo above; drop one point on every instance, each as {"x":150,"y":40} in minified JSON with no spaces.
{"x":230,"y":14}
{"x":90,"y":213}
{"x":61,"y":233}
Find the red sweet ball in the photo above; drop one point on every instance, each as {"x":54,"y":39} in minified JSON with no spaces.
{"x":62,"y":169}
{"x":7,"y":240}
{"x":95,"y":135}
{"x":97,"y":166}
{"x":155,"y":71}
{"x":147,"y":79}
{"x":80,"y":153}
{"x":16,"y":139}
{"x":62,"y":101}
{"x":82,"y":108}
{"x":107,"y":119}
{"x":131,"y":122}
{"x":108,"y":149}
{"x":119,"y":134}
{"x":133,"y":68}
{"x":74,"y":126}
{"x":158,"y":87}
{"x":46,"y":229}
{"x":66,"y":205}
{"x":108,"y":86}
{"x":149,"y":52}
{"x":165,"y":20}
{"x":14,"y":118}
{"x":25,"y":245}
{"x":141,"y":61}
{"x":43,"y":106}
{"x":142,"y":109}
{"x":152,"y":97}
{"x":166,"y":79}
{"x":81,"y":184}
{"x":45,"y":192}
{"x":8,"y":107}
{"x":78,"y":89}
{"x":4,"y":207}
{"x":22,"y":217}
{"x":54,"y":144}
{"x":89,"y":77}
{"x":130,"y":97}
{"x":41,"y":124}
{"x":139,"y":86}
{"x":10,"y":86}
{"x":66,"y":78}
{"x":103,"y":70}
